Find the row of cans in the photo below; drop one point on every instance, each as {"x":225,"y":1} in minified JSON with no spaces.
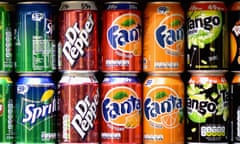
{"x":120,"y":109}
{"x":121,"y":47}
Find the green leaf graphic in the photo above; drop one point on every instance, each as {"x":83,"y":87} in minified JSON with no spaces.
{"x":128,"y":22}
{"x":120,"y":95}
{"x":160,"y":95}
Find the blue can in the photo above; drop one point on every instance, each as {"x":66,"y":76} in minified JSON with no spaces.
{"x":34,"y":37}
{"x":35,"y":109}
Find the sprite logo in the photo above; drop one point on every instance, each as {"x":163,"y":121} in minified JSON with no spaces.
{"x":35,"y":112}
{"x":76,"y":40}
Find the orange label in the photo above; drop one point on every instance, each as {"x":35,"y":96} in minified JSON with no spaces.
{"x":163,"y":37}
{"x":163,"y":120}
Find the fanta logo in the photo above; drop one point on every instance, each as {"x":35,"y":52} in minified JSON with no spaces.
{"x":164,"y":107}
{"x":35,"y":111}
{"x":121,"y":107}
{"x":125,"y":34}
{"x":170,"y":34}
{"x":76,"y":40}
{"x":86,"y":114}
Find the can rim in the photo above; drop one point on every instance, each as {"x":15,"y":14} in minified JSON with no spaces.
{"x":120,"y":74}
{"x":204,"y":1}
{"x":207,"y":72}
{"x":34,"y":2}
{"x":159,"y":2}
{"x":3,"y":2}
{"x":76,"y":5}
{"x":163,"y":74}
{"x":120,"y":2}
{"x":34,"y":74}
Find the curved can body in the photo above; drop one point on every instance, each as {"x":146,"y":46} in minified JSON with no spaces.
{"x":78,"y":109}
{"x":78,"y":36}
{"x":163,"y":49}
{"x":121,"y":48}
{"x":121,"y":108}
{"x":163,"y":104}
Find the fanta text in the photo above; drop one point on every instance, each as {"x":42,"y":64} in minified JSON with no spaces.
{"x":206,"y":23}
{"x":86,"y":112}
{"x":167,"y":37}
{"x":112,"y":110}
{"x":120,"y":37}
{"x":153,"y":109}
{"x":76,"y":40}
{"x":34,"y":111}
{"x":201,"y":107}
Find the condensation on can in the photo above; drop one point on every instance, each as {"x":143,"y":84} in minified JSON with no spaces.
{"x":163,"y":104}
{"x":234,"y":26}
{"x":36,"y":109}
{"x":207,"y":105}
{"x":164,"y":37}
{"x":6,"y":109}
{"x":35,"y":45}
{"x":78,"y":36}
{"x":121,"y":44}
{"x":6,"y":40}
{"x":207,"y":36}
{"x":121,"y":108}
{"x":79,"y":108}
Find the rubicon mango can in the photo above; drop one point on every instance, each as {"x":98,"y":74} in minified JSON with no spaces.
{"x":78,"y":36}
{"x":121,"y":108}
{"x":121,"y":48}
{"x":163,"y":49}
{"x":207,"y":36}
{"x":163,"y":104}
{"x":207,"y":104}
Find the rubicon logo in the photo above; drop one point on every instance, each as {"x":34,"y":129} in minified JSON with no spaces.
{"x":77,"y":40}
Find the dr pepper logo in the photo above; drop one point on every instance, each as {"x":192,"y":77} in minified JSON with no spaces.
{"x":122,"y":107}
{"x":125,"y":34}
{"x":77,"y":40}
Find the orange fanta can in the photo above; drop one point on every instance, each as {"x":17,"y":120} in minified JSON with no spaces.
{"x":121,"y":45}
{"x":163,"y":104}
{"x":163,"y":48}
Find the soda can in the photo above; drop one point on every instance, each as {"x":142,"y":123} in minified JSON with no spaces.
{"x":207,"y":104}
{"x":79,"y":109}
{"x":6,"y":109}
{"x":164,"y":36}
{"x":121,"y":109}
{"x":121,"y":47}
{"x":163,"y":104}
{"x":78,"y":36}
{"x":36,"y":109}
{"x":35,"y":46}
{"x":6,"y":42}
{"x":234,"y":26}
{"x":235,"y":109}
{"x":207,"y":36}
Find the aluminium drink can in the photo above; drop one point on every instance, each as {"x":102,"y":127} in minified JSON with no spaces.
{"x":78,"y":36}
{"x":35,"y":48}
{"x":6,"y":110}
{"x":36,"y":108}
{"x":207,"y":104}
{"x":121,"y":44}
{"x":121,"y":109}
{"x":207,"y":36}
{"x":6,"y":42}
{"x":164,"y":37}
{"x":78,"y":109}
{"x":163,"y":109}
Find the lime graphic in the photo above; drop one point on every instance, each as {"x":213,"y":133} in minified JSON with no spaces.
{"x":47,"y":95}
{"x":192,"y":90}
{"x":196,"y":117}
{"x":207,"y":31}
{"x":160,"y":95}
{"x":128,"y":22}
{"x":120,"y":95}
{"x":176,"y":22}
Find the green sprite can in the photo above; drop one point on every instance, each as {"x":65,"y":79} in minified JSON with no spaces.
{"x":35,"y":46}
{"x":6,"y":63}
{"x":35,"y":109}
{"x":6,"y":110}
{"x":207,"y":108}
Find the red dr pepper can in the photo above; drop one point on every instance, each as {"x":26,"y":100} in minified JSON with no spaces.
{"x":79,"y":105}
{"x":121,"y":47}
{"x":78,"y":36}
{"x":121,"y":108}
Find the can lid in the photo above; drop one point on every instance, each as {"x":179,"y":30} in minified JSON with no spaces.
{"x":120,"y":74}
{"x":208,"y":72}
{"x":34,"y":74}
{"x":3,"y":2}
{"x":78,"y":5}
{"x":78,"y":73}
{"x":34,"y":2}
{"x":163,"y":74}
